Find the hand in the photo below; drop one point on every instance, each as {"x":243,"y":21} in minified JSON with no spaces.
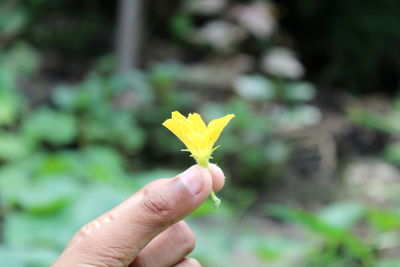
{"x":146,"y":229}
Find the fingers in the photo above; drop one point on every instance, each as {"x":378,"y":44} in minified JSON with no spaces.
{"x":168,"y":248}
{"x":218,"y":177}
{"x":117,"y":237}
{"x":188,"y":262}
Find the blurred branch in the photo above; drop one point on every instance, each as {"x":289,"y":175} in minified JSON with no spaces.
{"x":128,"y":37}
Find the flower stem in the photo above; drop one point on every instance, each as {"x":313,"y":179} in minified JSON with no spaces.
{"x":217,"y":201}
{"x":204,"y":162}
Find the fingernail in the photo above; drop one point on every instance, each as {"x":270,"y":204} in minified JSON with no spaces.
{"x":192,"y":179}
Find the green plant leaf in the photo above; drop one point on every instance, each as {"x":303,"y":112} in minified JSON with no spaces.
{"x":342,"y":216}
{"x":299,"y":91}
{"x":12,"y":147}
{"x":51,"y":126}
{"x":48,"y":195}
{"x":27,"y":257}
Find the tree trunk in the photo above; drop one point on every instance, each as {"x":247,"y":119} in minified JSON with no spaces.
{"x":128,"y":38}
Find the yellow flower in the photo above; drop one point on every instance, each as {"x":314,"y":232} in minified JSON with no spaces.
{"x":193,"y":132}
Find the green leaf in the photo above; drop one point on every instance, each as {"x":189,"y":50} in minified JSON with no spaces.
{"x":52,"y":126}
{"x":146,"y":177}
{"x":22,"y":59}
{"x":11,"y":21}
{"x":126,"y":133}
{"x":132,"y":90}
{"x":307,"y":220}
{"x":275,"y":248}
{"x":254,"y":87}
{"x":66,"y":97}
{"x":208,"y":209}
{"x":62,"y":163}
{"x":102,"y":164}
{"x":369,"y":119}
{"x":297,"y":117}
{"x":54,"y":230}
{"x":383,"y":220}
{"x":392,"y":153}
{"x":47,"y":231}
{"x":94,"y":130}
{"x":342,"y":216}
{"x":163,"y":75}
{"x":277,"y":152}
{"x":299,"y":91}
{"x":388,"y":263}
{"x":96,"y":200}
{"x":10,"y":105}
{"x":12,"y":146}
{"x":48,"y":195}
{"x":181,"y":25}
{"x":27,"y":257}
{"x":13,"y":180}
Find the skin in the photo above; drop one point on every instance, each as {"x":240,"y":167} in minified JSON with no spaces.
{"x":146,"y":229}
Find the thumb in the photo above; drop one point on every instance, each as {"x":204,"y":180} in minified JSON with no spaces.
{"x":117,"y":237}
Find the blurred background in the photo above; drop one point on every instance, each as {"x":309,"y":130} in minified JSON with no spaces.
{"x":312,"y":158}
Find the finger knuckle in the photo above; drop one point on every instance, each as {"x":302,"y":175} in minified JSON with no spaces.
{"x":111,"y":256}
{"x":156,"y":206}
{"x":186,"y":237}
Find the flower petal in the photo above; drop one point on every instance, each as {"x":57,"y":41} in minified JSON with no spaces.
{"x":215,"y":127}
{"x":180,"y":129}
{"x":197,"y":137}
{"x":198,"y":123}
{"x":177,"y":115}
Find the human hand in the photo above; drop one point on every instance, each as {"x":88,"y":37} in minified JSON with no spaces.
{"x":146,"y":229}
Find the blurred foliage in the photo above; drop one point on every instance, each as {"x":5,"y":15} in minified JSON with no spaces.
{"x":332,"y":231}
{"x":69,"y":151}
{"x":60,"y":159}
{"x":347,"y":43}
{"x":81,"y":147}
{"x":385,"y":120}
{"x":68,"y":27}
{"x":330,"y":49}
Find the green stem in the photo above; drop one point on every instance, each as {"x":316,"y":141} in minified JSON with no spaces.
{"x":217,"y":201}
{"x":204,"y":163}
